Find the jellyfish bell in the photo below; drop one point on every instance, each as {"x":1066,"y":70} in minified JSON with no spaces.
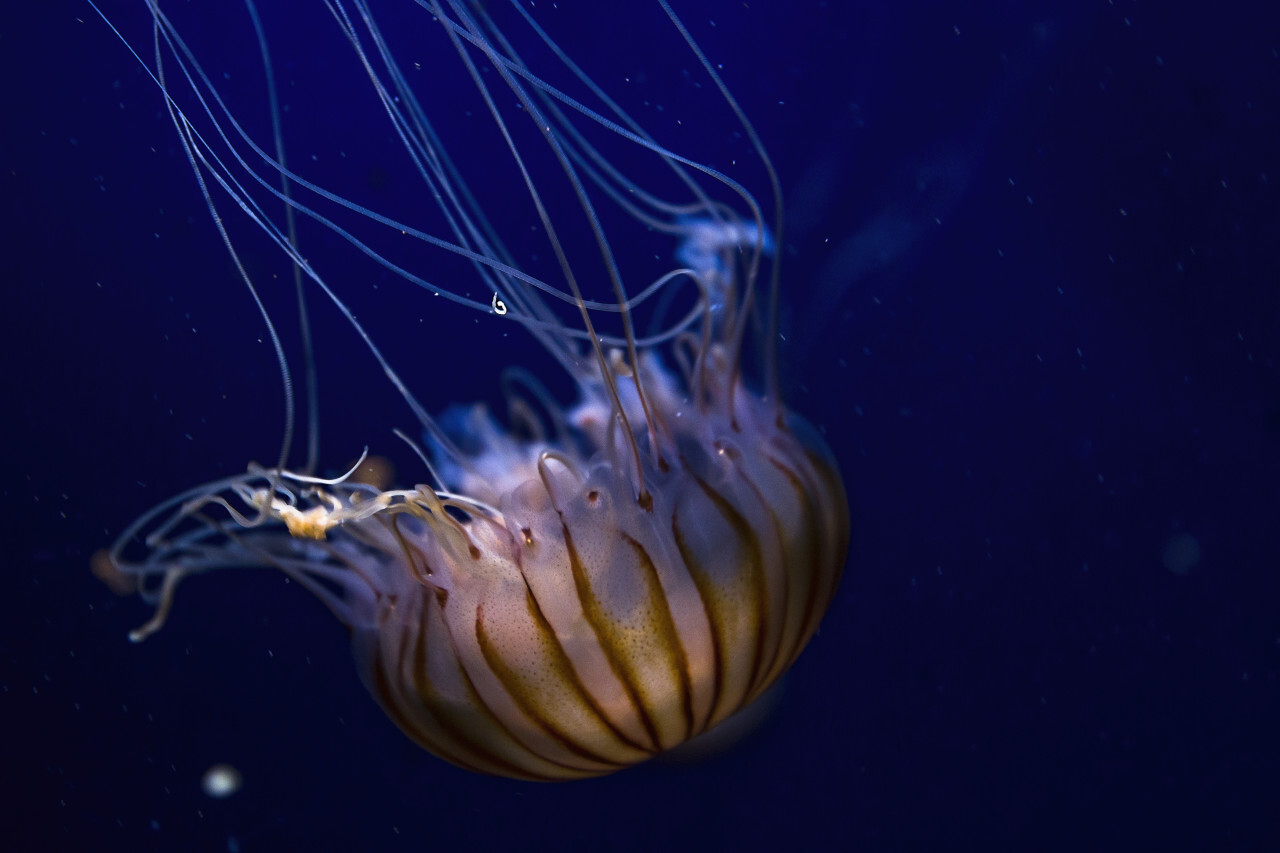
{"x":613,"y":578}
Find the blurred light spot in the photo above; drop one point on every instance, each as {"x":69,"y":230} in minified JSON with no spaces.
{"x":1181,"y":553}
{"x":105,"y":570}
{"x":376,"y":471}
{"x":221,"y":780}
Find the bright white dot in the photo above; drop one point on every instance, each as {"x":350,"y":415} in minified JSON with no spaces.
{"x":221,"y":780}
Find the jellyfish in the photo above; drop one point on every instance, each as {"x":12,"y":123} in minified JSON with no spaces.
{"x":587,"y":584}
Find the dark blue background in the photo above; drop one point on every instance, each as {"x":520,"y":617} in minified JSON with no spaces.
{"x":1031,"y":293}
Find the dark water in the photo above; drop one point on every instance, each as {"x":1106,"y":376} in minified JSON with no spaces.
{"x":1031,"y":290}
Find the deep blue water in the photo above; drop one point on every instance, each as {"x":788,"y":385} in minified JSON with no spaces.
{"x":1031,"y":299}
